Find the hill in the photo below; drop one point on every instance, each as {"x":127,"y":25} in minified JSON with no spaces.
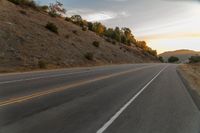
{"x":26,"y":44}
{"x":183,"y":54}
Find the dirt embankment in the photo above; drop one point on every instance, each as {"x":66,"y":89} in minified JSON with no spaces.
{"x":26,"y":44}
{"x":190,"y":74}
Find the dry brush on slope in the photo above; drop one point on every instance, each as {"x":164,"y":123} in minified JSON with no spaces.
{"x":25,"y":42}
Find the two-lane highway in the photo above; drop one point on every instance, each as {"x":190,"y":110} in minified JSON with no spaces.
{"x":140,"y":98}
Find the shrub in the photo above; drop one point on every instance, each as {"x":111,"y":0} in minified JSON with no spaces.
{"x":89,"y":56}
{"x":109,"y":40}
{"x":173,"y":59}
{"x":42,"y":64}
{"x":29,"y":3}
{"x":152,"y":52}
{"x":23,"y":12}
{"x":161,"y":59}
{"x":68,"y":19}
{"x":114,"y":42}
{"x":194,"y":59}
{"x":44,"y":8}
{"x":96,"y":44}
{"x":53,"y":14}
{"x":75,"y":32}
{"x":52,"y":27}
{"x":67,"y":36}
{"x":84,"y":28}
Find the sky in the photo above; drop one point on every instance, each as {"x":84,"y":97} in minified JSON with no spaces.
{"x":164,"y":24}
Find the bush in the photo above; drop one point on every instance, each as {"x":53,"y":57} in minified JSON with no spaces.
{"x":161,"y":59}
{"x":42,"y":64}
{"x":84,"y":28}
{"x":52,"y":27}
{"x":23,"y":12}
{"x":108,"y":40}
{"x":194,"y":59}
{"x":67,"y":36}
{"x":96,"y":44}
{"x":114,"y":42}
{"x":44,"y":8}
{"x":89,"y":56}
{"x":53,"y":14}
{"x":68,"y":19}
{"x":75,"y":32}
{"x":29,"y":3}
{"x":173,"y":59}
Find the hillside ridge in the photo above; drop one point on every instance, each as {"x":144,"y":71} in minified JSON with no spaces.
{"x":182,"y":54}
{"x":26,"y":44}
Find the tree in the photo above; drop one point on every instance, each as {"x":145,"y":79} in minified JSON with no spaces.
{"x":161,"y":59}
{"x":56,"y":9}
{"x":142,"y":45}
{"x":194,"y":59}
{"x":173,"y":59}
{"x":76,"y":18}
{"x":99,"y":28}
{"x":90,"y":26}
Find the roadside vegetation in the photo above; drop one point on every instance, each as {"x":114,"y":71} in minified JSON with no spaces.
{"x":122,"y":35}
{"x":29,"y":3}
{"x":89,"y":56}
{"x":57,"y":41}
{"x":194,"y":59}
{"x":191,"y":72}
{"x":52,"y":27}
{"x":161,"y":59}
{"x":173,"y":59}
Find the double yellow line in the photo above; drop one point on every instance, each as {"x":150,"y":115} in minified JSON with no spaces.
{"x":56,"y":90}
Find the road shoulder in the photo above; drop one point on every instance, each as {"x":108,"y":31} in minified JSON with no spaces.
{"x":190,"y":80}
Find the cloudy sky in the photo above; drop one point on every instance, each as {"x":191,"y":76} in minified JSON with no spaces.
{"x":164,"y":24}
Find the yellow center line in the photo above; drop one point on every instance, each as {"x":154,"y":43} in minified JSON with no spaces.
{"x":56,"y":90}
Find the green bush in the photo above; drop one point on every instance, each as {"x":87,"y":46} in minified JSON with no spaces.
{"x":89,"y":56}
{"x":96,"y":44}
{"x":29,"y":3}
{"x":67,"y":36}
{"x":53,"y":14}
{"x":52,"y":27}
{"x":194,"y":59}
{"x":44,"y":8}
{"x":68,"y":19}
{"x":114,"y":42}
{"x":173,"y":59}
{"x":75,"y":32}
{"x":84,"y":28}
{"x":161,"y":59}
{"x":42,"y":64}
{"x":23,"y":12}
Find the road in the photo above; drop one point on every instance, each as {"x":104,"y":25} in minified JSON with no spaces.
{"x":134,"y":98}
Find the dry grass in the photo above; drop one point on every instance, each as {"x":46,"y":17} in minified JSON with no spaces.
{"x":24,"y":41}
{"x":192,"y":73}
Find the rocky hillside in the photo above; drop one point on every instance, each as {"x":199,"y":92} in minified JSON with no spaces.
{"x":26,"y":44}
{"x":183,"y":55}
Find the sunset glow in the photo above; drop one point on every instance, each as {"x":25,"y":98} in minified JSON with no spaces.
{"x":164,"y":24}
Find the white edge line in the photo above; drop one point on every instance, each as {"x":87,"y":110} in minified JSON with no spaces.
{"x":113,"y":118}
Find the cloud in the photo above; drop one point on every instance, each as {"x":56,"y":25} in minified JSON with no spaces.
{"x":101,"y":16}
{"x":91,"y":15}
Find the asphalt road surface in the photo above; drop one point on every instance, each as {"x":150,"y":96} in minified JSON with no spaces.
{"x":138,"y":98}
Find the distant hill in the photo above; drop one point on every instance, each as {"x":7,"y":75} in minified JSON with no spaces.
{"x":25,"y":43}
{"x":183,"y":54}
